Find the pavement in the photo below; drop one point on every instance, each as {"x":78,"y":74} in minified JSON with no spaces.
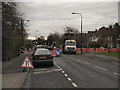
{"x":13,"y":80}
{"x":12,"y":75}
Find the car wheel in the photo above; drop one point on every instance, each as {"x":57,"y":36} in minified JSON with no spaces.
{"x":75,"y":53}
{"x":51,"y":65}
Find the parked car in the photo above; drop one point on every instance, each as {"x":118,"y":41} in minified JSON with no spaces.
{"x":42,"y":57}
{"x":37,"y":47}
{"x":49,"y":48}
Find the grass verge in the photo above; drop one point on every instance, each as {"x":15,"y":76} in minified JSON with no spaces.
{"x":114,"y":54}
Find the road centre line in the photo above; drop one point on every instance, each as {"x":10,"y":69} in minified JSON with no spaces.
{"x":75,"y":59}
{"x":69,"y":79}
{"x":63,"y":72}
{"x":58,"y":67}
{"x":85,"y":62}
{"x":116,"y":73}
{"x":100,"y":67}
{"x":66,"y":75}
{"x":74,"y":84}
{"x":82,"y":61}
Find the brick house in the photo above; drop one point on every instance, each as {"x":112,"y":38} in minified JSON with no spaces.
{"x":106,"y":36}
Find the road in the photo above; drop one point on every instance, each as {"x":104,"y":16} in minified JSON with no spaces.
{"x":69,"y":71}
{"x":76,"y":71}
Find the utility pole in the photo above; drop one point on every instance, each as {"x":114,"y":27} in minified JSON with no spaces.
{"x":22,"y":29}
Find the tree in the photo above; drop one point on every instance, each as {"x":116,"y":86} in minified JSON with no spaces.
{"x":54,"y":37}
{"x":11,"y":30}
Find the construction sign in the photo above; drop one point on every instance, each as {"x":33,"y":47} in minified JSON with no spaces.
{"x":27,"y":63}
{"x":53,"y":52}
{"x":57,"y":52}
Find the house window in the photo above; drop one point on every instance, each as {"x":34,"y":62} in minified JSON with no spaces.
{"x":118,"y":45}
{"x":111,"y":37}
{"x":108,"y":38}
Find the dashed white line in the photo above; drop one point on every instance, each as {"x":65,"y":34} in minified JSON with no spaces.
{"x":63,"y":72}
{"x":66,"y":75}
{"x":58,"y":67}
{"x":116,"y":73}
{"x":100,"y":67}
{"x":69,"y":79}
{"x":82,"y":61}
{"x":86,"y":62}
{"x":74,"y":84}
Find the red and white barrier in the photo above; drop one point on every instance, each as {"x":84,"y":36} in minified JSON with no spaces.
{"x":98,"y":50}
{"x":21,"y":51}
{"x":53,"y":52}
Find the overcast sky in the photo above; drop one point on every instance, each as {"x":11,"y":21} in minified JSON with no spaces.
{"x":46,"y":17}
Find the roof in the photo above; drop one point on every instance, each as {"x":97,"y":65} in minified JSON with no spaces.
{"x":42,"y":49}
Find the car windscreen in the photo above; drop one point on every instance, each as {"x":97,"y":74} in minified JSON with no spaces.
{"x":42,"y":52}
{"x":71,"y":43}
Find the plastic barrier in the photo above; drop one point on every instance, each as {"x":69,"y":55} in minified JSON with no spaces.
{"x":115,"y":50}
{"x":91,"y":49}
{"x":78,"y":50}
{"x":21,"y":51}
{"x":53,"y":52}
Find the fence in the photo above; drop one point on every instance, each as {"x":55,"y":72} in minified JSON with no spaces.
{"x":97,"y":50}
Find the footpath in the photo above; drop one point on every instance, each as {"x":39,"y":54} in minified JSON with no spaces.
{"x":12,"y":74}
{"x":102,"y":57}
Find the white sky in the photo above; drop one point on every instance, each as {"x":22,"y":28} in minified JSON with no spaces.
{"x":46,"y":17}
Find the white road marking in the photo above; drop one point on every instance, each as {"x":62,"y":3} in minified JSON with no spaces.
{"x":75,"y":59}
{"x":58,"y":67}
{"x":100,"y":67}
{"x":66,"y":75}
{"x":116,"y":73}
{"x":63,"y":72}
{"x":74,"y":84}
{"x":41,"y":71}
{"x":82,"y":61}
{"x":69,"y":79}
{"x":85,"y":62}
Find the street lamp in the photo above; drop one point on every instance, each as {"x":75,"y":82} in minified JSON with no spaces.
{"x":81,"y":29}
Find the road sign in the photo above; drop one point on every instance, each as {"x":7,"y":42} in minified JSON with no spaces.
{"x":60,"y":50}
{"x":57,"y":52}
{"x":53,"y":52}
{"x":27,"y":63}
{"x":21,"y":51}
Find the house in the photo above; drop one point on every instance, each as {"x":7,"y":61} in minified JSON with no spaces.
{"x":106,"y":36}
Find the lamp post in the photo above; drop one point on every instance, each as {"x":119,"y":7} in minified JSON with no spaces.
{"x":94,"y":37}
{"x":81,"y":29}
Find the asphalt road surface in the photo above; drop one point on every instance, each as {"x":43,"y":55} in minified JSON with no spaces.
{"x":76,"y":71}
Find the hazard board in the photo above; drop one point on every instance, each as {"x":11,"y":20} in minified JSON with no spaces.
{"x":53,"y":52}
{"x":57,"y":52}
{"x":26,"y":63}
